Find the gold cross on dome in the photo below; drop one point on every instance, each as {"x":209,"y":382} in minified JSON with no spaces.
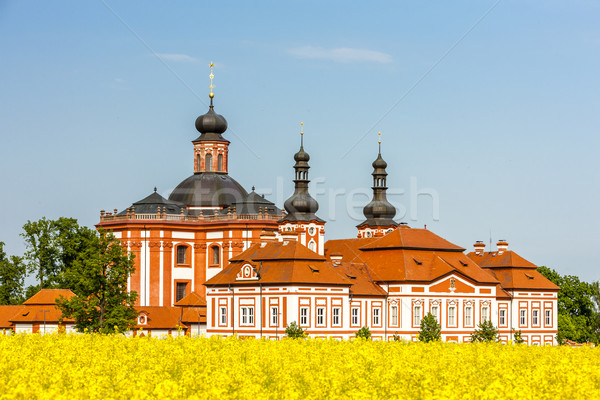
{"x":212,"y":75}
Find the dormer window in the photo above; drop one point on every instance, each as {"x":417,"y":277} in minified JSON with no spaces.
{"x":142,"y":319}
{"x":181,"y":254}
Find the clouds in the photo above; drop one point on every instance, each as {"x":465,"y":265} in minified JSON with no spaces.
{"x":177,"y":57}
{"x":341,"y":54}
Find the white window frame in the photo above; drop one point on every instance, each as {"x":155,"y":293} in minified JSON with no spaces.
{"x":274,"y":315}
{"x":535,"y":317}
{"x":304,"y":312}
{"x":222,"y":315}
{"x":336,"y":316}
{"x":468,"y":316}
{"x":548,"y":317}
{"x":485,"y":313}
{"x":321,"y":316}
{"x":376,"y":316}
{"x":394,"y":312}
{"x":355,"y":313}
{"x":452,"y":316}
{"x":417,"y":315}
{"x":523,"y":317}
{"x":435,"y":312}
{"x":247,"y":316}
{"x":502,"y":317}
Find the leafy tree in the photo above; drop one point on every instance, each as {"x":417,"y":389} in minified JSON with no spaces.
{"x":430,"y":329}
{"x":295,"y":331}
{"x":577,"y":316}
{"x":485,"y":332}
{"x":98,"y":277}
{"x":364,"y":333}
{"x":12,"y":277}
{"x":52,"y":248}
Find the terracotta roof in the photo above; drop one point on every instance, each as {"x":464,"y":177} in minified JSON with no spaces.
{"x":48,"y":296}
{"x":513,"y":271}
{"x":495,"y":259}
{"x":191,"y":300}
{"x":28,"y":313}
{"x":395,"y":264}
{"x":521,"y":278}
{"x":501,"y":293}
{"x":6,"y":313}
{"x":191,"y":315}
{"x":360,"y":277}
{"x":160,"y":317}
{"x":410,"y":238}
{"x":291,"y":250}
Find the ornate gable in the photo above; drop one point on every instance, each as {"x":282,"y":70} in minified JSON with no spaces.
{"x":247,"y":273}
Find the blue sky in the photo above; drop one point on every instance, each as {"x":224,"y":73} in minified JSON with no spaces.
{"x":490,"y":106}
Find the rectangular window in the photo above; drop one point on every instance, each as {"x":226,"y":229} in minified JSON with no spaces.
{"x":548,"y":321}
{"x":180,"y":290}
{"x":355,"y":316}
{"x":304,"y":316}
{"x":535,"y":317}
{"x":468,"y":317}
{"x":336,"y":312}
{"x":394,"y":315}
{"x":181,"y":254}
{"x":274,"y":316}
{"x":484,"y":314}
{"x":523,"y":318}
{"x":223,"y":315}
{"x":502,"y":318}
{"x":376,"y":312}
{"x":435,"y":313}
{"x":320,"y":316}
{"x":452,"y":316}
{"x":247,"y":316}
{"x":417,"y":316}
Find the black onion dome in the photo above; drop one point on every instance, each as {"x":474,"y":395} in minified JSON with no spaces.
{"x":380,"y":209}
{"x":211,"y":125}
{"x":379,"y":163}
{"x":301,"y":204}
{"x":301,"y":155}
{"x":209,"y":189}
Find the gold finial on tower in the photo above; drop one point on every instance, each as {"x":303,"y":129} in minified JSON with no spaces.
{"x":379,"y":142}
{"x":212,"y":75}
{"x":301,"y":134}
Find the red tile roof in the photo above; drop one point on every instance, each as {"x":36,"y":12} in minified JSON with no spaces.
{"x":400,"y":257}
{"x":48,"y":296}
{"x":291,"y":250}
{"x":513,"y":271}
{"x":28,"y":314}
{"x":191,"y":300}
{"x":6,"y":313}
{"x":160,"y":317}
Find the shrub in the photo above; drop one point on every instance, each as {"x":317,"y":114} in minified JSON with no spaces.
{"x":485,"y":332}
{"x":364,"y":333}
{"x":295,"y":331}
{"x":430,"y":329}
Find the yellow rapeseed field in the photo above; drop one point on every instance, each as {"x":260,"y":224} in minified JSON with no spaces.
{"x":115,"y":367}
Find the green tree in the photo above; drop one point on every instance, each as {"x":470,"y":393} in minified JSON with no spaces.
{"x":577,"y":317}
{"x":364,"y":333}
{"x":98,"y":277}
{"x":295,"y":331}
{"x":52,"y":246}
{"x":485,"y":332}
{"x":430,"y":329}
{"x":12,"y":278}
{"x":518,"y":337}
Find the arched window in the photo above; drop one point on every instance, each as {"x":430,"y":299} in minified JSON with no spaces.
{"x":208,"y":161}
{"x":220,"y":162}
{"x":181,"y":254}
{"x":199,"y":161}
{"x":216,"y":253}
{"x":312,"y":246}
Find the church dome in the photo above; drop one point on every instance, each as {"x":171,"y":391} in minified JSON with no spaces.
{"x":301,"y":155}
{"x":301,"y":203}
{"x":379,"y":163}
{"x":211,"y":122}
{"x":209,"y":190}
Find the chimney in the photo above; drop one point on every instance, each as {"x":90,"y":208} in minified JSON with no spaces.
{"x":479,"y":247}
{"x":502,"y":245}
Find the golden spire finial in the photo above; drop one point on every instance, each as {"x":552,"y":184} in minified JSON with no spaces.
{"x":212,"y":75}
{"x":301,"y":134}
{"x":379,"y":142}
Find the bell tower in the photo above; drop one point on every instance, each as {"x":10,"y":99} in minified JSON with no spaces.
{"x":379,"y":213}
{"x":301,"y":220}
{"x":210,"y":148}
